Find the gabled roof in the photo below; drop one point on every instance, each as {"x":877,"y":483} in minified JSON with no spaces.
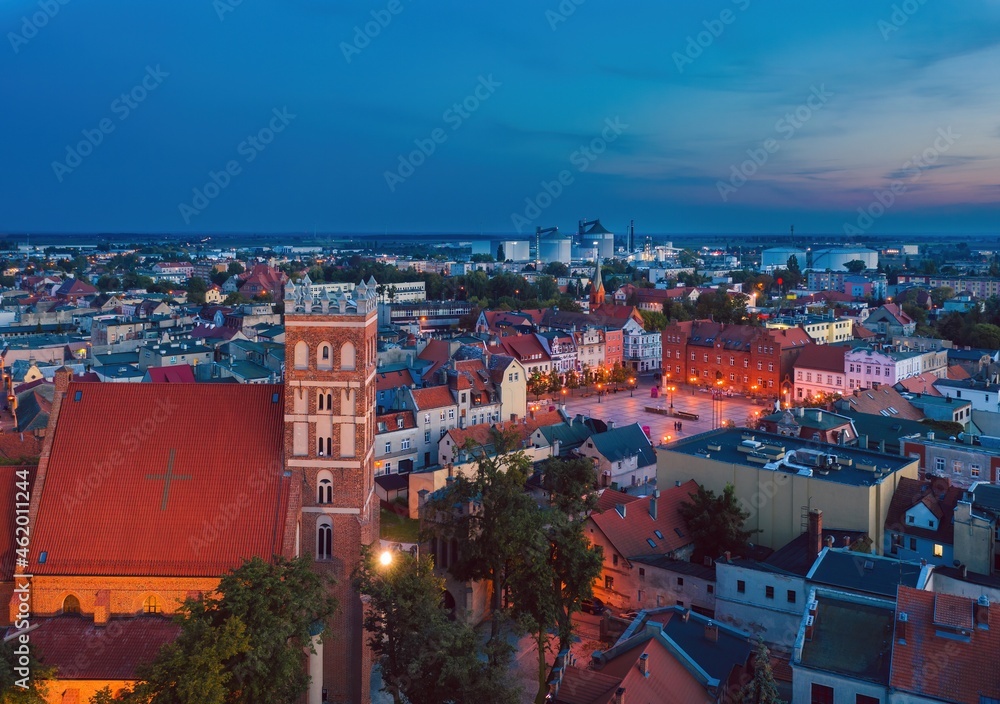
{"x":618,"y":443}
{"x":385,"y":380}
{"x":634,"y":533}
{"x":75,"y":287}
{"x":862,"y":333}
{"x":920,"y":384}
{"x":113,"y":650}
{"x":937,"y":495}
{"x":438,"y":352}
{"x":10,"y":476}
{"x":827,"y":358}
{"x":524,"y":348}
{"x":432,"y":397}
{"x":392,"y":419}
{"x":179,"y":374}
{"x":481,"y":434}
{"x":963,"y":670}
{"x":159,"y":431}
{"x":884,"y":398}
{"x":863,"y":572}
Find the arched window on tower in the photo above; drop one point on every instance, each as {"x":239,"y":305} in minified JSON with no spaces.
{"x":322,"y":400}
{"x":348,"y":356}
{"x":71,"y":605}
{"x":324,"y":356}
{"x":324,"y":539}
{"x":329,"y":447}
{"x":324,"y":492}
{"x":301,"y":355}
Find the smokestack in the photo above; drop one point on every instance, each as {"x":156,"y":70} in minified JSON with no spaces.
{"x":712,"y":632}
{"x":815,"y":532}
{"x":901,"y":627}
{"x":644,"y":664}
{"x":652,"y":503}
{"x":983,"y":612}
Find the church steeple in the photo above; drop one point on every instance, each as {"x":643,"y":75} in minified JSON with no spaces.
{"x":597,"y":288}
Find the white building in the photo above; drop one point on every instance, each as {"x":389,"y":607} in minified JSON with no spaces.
{"x":836,"y":259}
{"x":641,"y":351}
{"x":777,"y":258}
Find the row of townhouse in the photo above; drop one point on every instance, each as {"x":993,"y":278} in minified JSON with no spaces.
{"x":979,"y":286}
{"x":838,"y":369}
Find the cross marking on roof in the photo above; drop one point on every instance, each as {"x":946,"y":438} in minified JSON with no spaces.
{"x":167,"y":478}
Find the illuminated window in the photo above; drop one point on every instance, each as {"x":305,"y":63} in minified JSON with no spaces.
{"x":71,"y":605}
{"x":151,"y":605}
{"x":938,"y":550}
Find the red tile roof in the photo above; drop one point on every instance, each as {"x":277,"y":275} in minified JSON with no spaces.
{"x":432,"y":397}
{"x":956,"y":372}
{"x":10,"y":475}
{"x":391,"y":421}
{"x":524,"y":348}
{"x":940,"y":668}
{"x":862,"y":333}
{"x":936,"y":494}
{"x":436,"y":351}
{"x":20,"y":447}
{"x":630,"y":535}
{"x":393,"y":380}
{"x":182,"y":374}
{"x":481,"y":433}
{"x":921,"y":383}
{"x":112,"y":651}
{"x":134,"y":522}
{"x":872,"y":401}
{"x":828,"y":358}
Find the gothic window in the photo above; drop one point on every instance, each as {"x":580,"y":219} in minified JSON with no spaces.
{"x":324,"y":493}
{"x":323,"y":357}
{"x":324,"y":539}
{"x":322,"y":400}
{"x":151,"y":605}
{"x":71,"y":605}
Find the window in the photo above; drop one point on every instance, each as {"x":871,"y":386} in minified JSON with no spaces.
{"x":427,"y":419}
{"x":974,"y":469}
{"x":746,"y":363}
{"x":798,"y":375}
{"x":614,"y":559}
{"x":718,"y":359}
{"x":741,"y":586}
{"x":865,"y":699}
{"x":770,"y":366}
{"x":324,"y":539}
{"x":642,"y":571}
{"x":710,"y":589}
{"x":821,"y":694}
{"x":939,"y":463}
{"x":760,"y":366}
{"x":301,"y":355}
{"x":71,"y":605}
{"x":451,"y":414}
{"x":769,"y":592}
{"x":399,"y":422}
{"x":151,"y":605}
{"x":680,"y":581}
{"x":324,"y":491}
{"x":913,"y":544}
{"x":427,"y":436}
{"x":609,"y":582}
{"x":388,"y":447}
{"x":790,"y":595}
{"x":441,"y":415}
{"x":405,"y":444}
{"x":956,"y":466}
{"x":938,"y":550}
{"x":348,"y":356}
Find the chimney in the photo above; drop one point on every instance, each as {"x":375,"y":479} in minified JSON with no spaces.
{"x":815,"y":532}
{"x":901,"y":627}
{"x":685,"y":615}
{"x":930,"y":434}
{"x":712,"y":632}
{"x":847,"y":541}
{"x":644,"y":664}
{"x":611,"y":425}
{"x":983,"y":613}
{"x":728,"y":555}
{"x":620,"y":696}
{"x":62,"y":378}
{"x":829,"y":541}
{"x":652,"y":503}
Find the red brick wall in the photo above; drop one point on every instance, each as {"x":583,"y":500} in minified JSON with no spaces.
{"x":354,"y":511}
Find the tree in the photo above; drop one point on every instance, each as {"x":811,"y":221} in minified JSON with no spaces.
{"x":653,"y":321}
{"x":235,"y":299}
{"x":716,"y":522}
{"x":556,"y":269}
{"x":425,"y":657}
{"x":761,"y":689}
{"x":793,"y":265}
{"x":196,"y":289}
{"x":235,"y":269}
{"x":106,"y":282}
{"x":501,"y":257}
{"x":20,"y":685}
{"x":555,"y":382}
{"x":855,"y":266}
{"x":244,"y":644}
{"x":493,"y":537}
{"x":481,"y":257}
{"x":538,"y":384}
{"x":984,"y":335}
{"x":941,"y":294}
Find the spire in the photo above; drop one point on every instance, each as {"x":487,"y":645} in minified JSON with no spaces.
{"x":597,"y":287}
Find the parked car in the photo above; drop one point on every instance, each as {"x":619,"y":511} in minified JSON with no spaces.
{"x":593,"y":606}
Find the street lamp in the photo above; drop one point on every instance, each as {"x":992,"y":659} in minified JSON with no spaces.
{"x":385,"y":558}
{"x":599,"y":388}
{"x":670,"y":395}
{"x":631,"y":387}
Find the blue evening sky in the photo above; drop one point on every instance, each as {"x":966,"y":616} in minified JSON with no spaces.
{"x":717,"y":116}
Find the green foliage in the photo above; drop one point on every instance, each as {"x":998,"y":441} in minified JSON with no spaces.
{"x":556,"y":269}
{"x":243,"y":645}
{"x":793,"y":265}
{"x":653,"y":321}
{"x":196,"y":289}
{"x":984,"y":335}
{"x":107,"y":282}
{"x":501,"y":256}
{"x":235,"y":299}
{"x":10,"y":679}
{"x":483,"y":257}
{"x":761,"y":688}
{"x":716,"y":522}
{"x":235,"y":269}
{"x":425,"y":657}
{"x":855,"y":266}
{"x":538,"y":384}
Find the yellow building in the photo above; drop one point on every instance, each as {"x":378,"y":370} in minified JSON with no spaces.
{"x":778,"y":479}
{"x":822,"y":331}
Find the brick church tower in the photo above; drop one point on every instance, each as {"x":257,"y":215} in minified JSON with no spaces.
{"x":330,"y":364}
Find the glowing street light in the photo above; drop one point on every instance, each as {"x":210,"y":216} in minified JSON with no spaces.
{"x":385,"y":558}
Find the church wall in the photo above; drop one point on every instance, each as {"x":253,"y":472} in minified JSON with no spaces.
{"x":114,"y":596}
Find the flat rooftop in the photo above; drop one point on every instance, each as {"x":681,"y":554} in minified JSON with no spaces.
{"x":851,"y":639}
{"x":780,"y":453}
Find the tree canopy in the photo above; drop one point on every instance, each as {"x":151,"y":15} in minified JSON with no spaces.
{"x":716,"y":522}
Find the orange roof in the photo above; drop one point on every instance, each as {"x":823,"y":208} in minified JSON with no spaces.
{"x":20,"y":447}
{"x":862,"y":333}
{"x":182,"y":374}
{"x":632,"y":534}
{"x":956,"y":372}
{"x":393,"y":380}
{"x":921,"y":383}
{"x":481,"y":434}
{"x":136,"y":522}
{"x":432,"y":397}
{"x":436,"y":351}
{"x":391,"y":421}
{"x":872,"y":401}
{"x":943,"y":668}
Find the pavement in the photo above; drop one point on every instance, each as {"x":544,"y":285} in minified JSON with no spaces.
{"x":626,"y":407}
